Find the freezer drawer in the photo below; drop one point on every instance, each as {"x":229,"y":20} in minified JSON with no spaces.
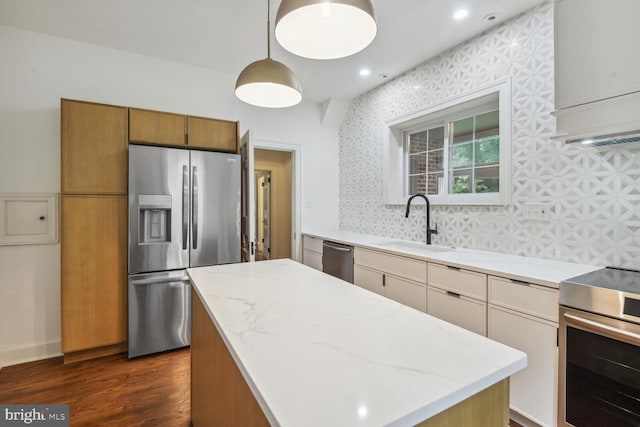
{"x":159,"y":312}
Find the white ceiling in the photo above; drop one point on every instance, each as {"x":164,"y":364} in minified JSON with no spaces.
{"x":227,"y":35}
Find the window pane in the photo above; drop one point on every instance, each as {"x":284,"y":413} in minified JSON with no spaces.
{"x":418,"y":142}
{"x":487,"y":124}
{"x":435,"y":183}
{"x":417,"y":184}
{"x":417,"y":163}
{"x":488,"y":150}
{"x":436,"y":161}
{"x":462,"y":155}
{"x":461,"y":181}
{"x":436,"y":138}
{"x":462,"y":130}
{"x":488,"y":180}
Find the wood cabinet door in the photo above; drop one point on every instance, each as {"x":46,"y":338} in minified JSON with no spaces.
{"x":156,"y":127}
{"x":93,"y":148}
{"x":219,"y":135}
{"x":94,"y":271}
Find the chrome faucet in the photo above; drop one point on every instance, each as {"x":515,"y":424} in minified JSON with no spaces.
{"x":429,"y":230}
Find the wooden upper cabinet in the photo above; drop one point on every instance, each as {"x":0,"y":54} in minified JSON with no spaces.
{"x":156,"y":127}
{"x":219,"y":135}
{"x":94,"y":271}
{"x":93,"y":148}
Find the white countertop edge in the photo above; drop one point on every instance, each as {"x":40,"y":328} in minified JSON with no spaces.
{"x":254,"y":390}
{"x":447,"y":402}
{"x":367,"y":241}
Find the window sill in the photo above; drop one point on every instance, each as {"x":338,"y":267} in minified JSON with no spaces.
{"x":489,"y":199}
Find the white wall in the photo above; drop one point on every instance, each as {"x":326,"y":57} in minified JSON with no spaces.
{"x":35,"y":72}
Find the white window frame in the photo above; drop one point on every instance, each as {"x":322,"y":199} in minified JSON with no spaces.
{"x":394,"y":162}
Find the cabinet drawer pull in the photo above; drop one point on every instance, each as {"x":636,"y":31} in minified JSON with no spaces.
{"x":453,"y":294}
{"x":453,"y":268}
{"x":384,"y":280}
{"x":520,"y":282}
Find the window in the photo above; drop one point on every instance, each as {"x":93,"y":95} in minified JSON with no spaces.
{"x":465,"y":159}
{"x":457,"y":152}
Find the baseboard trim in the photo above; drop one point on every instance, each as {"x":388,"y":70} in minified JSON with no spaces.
{"x":30,"y":354}
{"x":94,"y":353}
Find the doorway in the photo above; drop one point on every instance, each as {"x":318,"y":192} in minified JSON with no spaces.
{"x":263,"y":215}
{"x":273,"y":197}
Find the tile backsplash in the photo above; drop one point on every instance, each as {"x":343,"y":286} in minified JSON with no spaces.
{"x":594,"y":193}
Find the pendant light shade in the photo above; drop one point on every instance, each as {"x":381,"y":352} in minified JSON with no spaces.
{"x":323,"y":29}
{"x":268,"y":83}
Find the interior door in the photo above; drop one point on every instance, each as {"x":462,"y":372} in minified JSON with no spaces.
{"x":248,"y":209}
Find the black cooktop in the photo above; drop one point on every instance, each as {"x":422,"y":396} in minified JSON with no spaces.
{"x":618,"y":279}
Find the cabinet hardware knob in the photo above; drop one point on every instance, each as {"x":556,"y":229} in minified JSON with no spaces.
{"x":42,"y":218}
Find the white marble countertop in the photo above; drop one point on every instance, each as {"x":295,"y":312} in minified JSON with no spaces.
{"x":534,"y":270}
{"x":317,"y":351}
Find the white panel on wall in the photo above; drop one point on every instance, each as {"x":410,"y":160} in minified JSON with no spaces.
{"x":593,"y":194}
{"x":28,"y":219}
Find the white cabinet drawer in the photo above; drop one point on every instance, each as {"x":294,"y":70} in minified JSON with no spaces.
{"x":524,"y":297}
{"x":406,"y":292}
{"x":312,"y":243}
{"x":368,"y":279}
{"x":312,"y":259}
{"x":399,"y":266}
{"x":463,"y":282}
{"x":465,"y":312}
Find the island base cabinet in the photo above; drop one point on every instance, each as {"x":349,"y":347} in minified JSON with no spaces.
{"x":489,"y":408}
{"x":454,"y":308}
{"x":534,"y":389}
{"x":219,"y":394}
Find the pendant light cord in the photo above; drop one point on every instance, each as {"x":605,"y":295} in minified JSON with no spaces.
{"x":268,"y":30}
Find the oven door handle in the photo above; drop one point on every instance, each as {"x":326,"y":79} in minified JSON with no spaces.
{"x":601,"y":329}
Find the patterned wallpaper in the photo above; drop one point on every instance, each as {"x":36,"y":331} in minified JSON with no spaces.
{"x":594,"y":193}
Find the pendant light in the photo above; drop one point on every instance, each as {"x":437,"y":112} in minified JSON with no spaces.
{"x":268,"y":83}
{"x":325,"y":29}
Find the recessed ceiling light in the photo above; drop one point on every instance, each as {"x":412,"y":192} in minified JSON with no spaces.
{"x":365,"y":72}
{"x":461,"y":14}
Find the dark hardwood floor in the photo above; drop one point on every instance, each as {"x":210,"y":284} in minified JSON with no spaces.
{"x":110,"y":391}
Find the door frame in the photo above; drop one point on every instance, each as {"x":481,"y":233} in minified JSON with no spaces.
{"x":296,"y":196}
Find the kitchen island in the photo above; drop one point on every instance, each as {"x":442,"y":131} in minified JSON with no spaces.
{"x":278,"y":343}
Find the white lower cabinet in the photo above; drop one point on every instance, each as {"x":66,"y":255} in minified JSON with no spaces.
{"x":371,"y":271}
{"x":460,"y":310}
{"x":524,"y":316}
{"x":312,"y":252}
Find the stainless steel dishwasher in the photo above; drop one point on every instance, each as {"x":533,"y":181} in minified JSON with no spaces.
{"x":337,"y":260}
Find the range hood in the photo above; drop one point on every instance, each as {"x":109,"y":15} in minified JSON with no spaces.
{"x":609,"y":121}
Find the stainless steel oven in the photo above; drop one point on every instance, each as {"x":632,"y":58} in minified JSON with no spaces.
{"x":599,"y":341}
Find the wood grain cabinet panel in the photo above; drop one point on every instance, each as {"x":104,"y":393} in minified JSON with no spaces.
{"x":156,"y":127}
{"x":94,"y":271}
{"x":94,"y":148}
{"x":219,"y":135}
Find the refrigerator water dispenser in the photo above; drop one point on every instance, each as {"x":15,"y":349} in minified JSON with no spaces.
{"x":155,"y":218}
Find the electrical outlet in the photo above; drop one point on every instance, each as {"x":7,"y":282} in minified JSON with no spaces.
{"x":537,"y":211}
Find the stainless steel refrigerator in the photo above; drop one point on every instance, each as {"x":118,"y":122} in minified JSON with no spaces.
{"x":184,"y":211}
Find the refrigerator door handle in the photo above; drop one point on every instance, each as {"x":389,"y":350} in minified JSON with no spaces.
{"x":194,"y":208}
{"x":185,"y":207}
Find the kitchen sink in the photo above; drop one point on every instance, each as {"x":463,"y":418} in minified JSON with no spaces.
{"x":404,"y":245}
